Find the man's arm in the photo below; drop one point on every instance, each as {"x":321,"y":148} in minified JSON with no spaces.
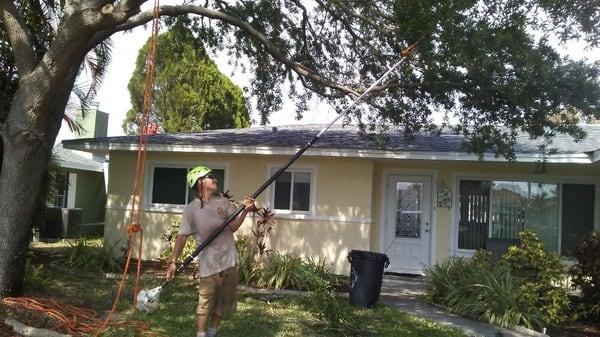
{"x":179,"y":244}
{"x":235,"y":224}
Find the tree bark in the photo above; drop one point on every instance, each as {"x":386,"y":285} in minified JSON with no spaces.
{"x":28,"y":136}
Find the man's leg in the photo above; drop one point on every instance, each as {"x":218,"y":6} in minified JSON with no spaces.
{"x":206,"y":303}
{"x":201,"y":321}
{"x":213,"y":327}
{"x":215,"y":320}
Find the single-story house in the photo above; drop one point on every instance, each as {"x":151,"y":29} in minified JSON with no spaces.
{"x":419,"y":202}
{"x":78,"y":207}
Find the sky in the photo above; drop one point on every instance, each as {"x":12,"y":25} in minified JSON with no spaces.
{"x":113,"y":96}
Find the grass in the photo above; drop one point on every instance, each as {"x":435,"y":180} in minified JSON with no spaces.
{"x":285,"y":317}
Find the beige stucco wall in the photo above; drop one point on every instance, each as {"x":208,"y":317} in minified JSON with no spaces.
{"x":445,"y":173}
{"x":348,"y":198}
{"x":341,"y":220}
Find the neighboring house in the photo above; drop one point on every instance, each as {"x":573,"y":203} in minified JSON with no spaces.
{"x":78,"y":208}
{"x":419,"y":202}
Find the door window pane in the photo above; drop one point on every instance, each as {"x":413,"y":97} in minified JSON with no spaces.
{"x":577,"y":214}
{"x":169,"y":185}
{"x":408,"y":211}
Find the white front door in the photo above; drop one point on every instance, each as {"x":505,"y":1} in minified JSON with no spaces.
{"x":407,"y":229}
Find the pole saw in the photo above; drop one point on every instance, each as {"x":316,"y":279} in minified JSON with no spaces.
{"x":148,"y":300}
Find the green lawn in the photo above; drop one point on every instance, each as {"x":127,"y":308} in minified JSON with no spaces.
{"x":255,"y":316}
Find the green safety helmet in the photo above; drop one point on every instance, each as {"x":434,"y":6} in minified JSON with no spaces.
{"x":195,"y":173}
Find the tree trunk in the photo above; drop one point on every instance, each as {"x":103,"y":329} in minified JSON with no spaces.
{"x":28,"y":136}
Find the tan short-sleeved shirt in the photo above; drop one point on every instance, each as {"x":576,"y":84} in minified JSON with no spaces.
{"x":200,"y":222}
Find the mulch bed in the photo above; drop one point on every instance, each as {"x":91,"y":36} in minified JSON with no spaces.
{"x":576,"y":329}
{"x":30,"y":318}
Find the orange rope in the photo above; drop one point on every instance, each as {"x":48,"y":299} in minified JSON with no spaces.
{"x":135,"y":215}
{"x":74,"y":320}
{"x":78,"y":321}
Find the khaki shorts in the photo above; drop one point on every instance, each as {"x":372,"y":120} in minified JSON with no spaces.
{"x":217,"y":293}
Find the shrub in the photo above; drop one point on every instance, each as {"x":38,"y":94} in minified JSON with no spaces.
{"x":169,"y":239}
{"x":494,"y":293}
{"x":498,"y":298}
{"x":442,"y":277}
{"x":586,"y":273}
{"x":322,"y":302}
{"x":105,"y":259}
{"x":529,"y":259}
{"x":313,"y":273}
{"x":281,"y":271}
{"x":34,"y":275}
{"x":249,"y":271}
{"x":543,"y":273}
{"x":90,"y":258}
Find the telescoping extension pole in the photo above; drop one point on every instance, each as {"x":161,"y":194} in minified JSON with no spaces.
{"x":405,"y":53}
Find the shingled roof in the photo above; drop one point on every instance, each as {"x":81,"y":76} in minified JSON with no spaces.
{"x":71,"y":160}
{"x":338,"y":137}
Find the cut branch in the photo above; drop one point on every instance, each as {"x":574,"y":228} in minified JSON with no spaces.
{"x":13,"y":24}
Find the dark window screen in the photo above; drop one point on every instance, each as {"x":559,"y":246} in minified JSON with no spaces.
{"x":283,"y":189}
{"x":169,"y":186}
{"x":301,"y":196}
{"x":577,"y":214}
{"x":474,"y":214}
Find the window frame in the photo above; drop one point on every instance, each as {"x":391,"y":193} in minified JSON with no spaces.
{"x":549,"y":179}
{"x":271,"y":169}
{"x":149,"y":180}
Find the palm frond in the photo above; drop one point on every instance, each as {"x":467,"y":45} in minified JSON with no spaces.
{"x":97,"y":62}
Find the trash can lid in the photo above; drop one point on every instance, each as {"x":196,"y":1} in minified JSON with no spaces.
{"x":366,"y":255}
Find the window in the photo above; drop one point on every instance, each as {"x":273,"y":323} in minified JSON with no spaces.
{"x":292,"y":191}
{"x":61,"y":185}
{"x":501,"y":209}
{"x":577,"y":215}
{"x":169,"y":185}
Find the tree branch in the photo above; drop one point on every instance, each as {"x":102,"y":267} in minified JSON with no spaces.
{"x":297,"y":67}
{"x":348,"y":26}
{"x":13,"y":24}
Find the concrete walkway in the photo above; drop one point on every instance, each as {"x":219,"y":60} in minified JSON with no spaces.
{"x":405,"y":293}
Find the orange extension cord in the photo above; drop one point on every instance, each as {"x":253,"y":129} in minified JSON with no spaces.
{"x":74,"y":320}
{"x":83,"y":322}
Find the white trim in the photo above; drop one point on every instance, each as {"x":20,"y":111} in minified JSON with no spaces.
{"x":312,"y":169}
{"x":175,"y":209}
{"x":72,"y":190}
{"x":572,"y":158}
{"x":552,"y":179}
{"x":187,"y":164}
{"x":430,"y":173}
{"x":560,"y":210}
{"x":80,"y":166}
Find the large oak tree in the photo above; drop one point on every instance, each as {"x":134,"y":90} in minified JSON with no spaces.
{"x":486,"y":63}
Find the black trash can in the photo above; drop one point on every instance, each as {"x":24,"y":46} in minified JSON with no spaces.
{"x":366,"y":274}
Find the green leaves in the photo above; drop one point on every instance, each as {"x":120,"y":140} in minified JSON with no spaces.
{"x":523,"y":289}
{"x":190,"y":94}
